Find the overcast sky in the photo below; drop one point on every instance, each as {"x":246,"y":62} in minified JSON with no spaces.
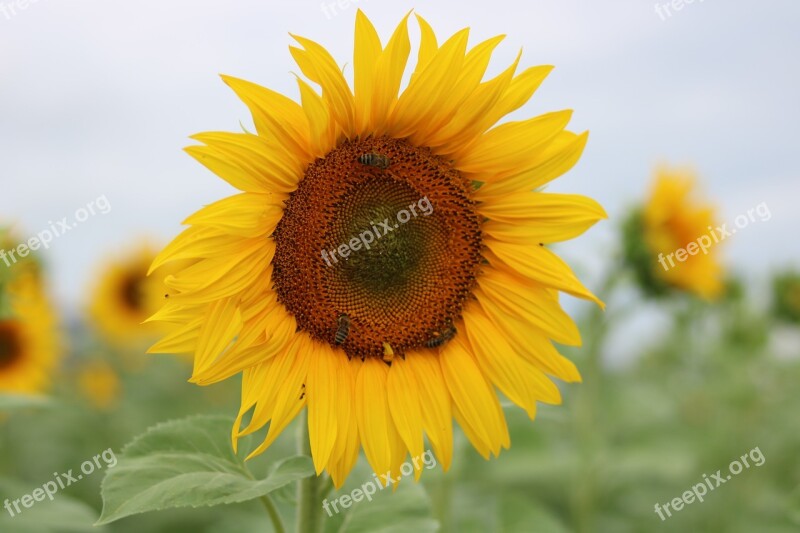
{"x":97,"y":98}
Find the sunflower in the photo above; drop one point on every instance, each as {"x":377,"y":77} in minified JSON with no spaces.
{"x":661,"y":239}
{"x":99,"y":384}
{"x":456,"y":292}
{"x":125,"y":297}
{"x":28,"y":335}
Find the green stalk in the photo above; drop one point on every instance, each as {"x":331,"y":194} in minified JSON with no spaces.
{"x":309,"y":499}
{"x":269,"y":505}
{"x":588,"y":430}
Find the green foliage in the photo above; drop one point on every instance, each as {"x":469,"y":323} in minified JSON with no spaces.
{"x":786,"y":297}
{"x":638,"y":256}
{"x":406,"y":509}
{"x":190,"y":463}
{"x":12,"y":402}
{"x":700,"y":392}
{"x":62,"y":514}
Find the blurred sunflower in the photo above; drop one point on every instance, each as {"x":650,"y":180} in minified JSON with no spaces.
{"x":672,"y":220}
{"x":420,"y":325}
{"x":125,"y":297}
{"x":99,"y":384}
{"x":28,"y":332}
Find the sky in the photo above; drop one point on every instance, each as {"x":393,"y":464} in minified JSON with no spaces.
{"x":98,"y":98}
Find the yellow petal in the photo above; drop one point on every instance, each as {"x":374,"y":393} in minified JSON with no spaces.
{"x":235,"y":362}
{"x":323,"y":131}
{"x":236,"y":281}
{"x":347,"y":447}
{"x":427,"y":92}
{"x":474,"y":398}
{"x":475,"y":64}
{"x":244,"y":161}
{"x":534,"y":217}
{"x":375,"y":424}
{"x":176,"y":314}
{"x":522,"y":383}
{"x":428,"y":46}
{"x":254,"y":381}
{"x":319,"y":66}
{"x":404,"y":405}
{"x":322,"y":392}
{"x":556,"y":159}
{"x":434,"y":399}
{"x":541,"y":265}
{"x":197,"y":242}
{"x":489,"y":103}
{"x":519,"y":92}
{"x":246,"y":215}
{"x":533,"y":345}
{"x":289,"y":399}
{"x":252,"y":345}
{"x":275,"y":116}
{"x":388,"y":76}
{"x":205,"y":272}
{"x":366,"y":53}
{"x":181,"y":340}
{"x":510,"y":146}
{"x":221,"y":325}
{"x":528,"y":301}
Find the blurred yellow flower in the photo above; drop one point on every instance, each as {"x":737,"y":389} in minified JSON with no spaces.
{"x":413,"y":324}
{"x":672,"y":242}
{"x":100,"y":384}
{"x":29,"y":346}
{"x":125,"y":297}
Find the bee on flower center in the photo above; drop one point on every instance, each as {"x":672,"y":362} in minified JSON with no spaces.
{"x":375,"y":160}
{"x":344,"y":329}
{"x":439,"y":338}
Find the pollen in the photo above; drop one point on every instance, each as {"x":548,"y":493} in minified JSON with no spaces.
{"x":396,"y":247}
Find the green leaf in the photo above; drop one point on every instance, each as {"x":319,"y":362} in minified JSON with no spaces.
{"x":63,"y":513}
{"x":19,"y":401}
{"x":184,"y":463}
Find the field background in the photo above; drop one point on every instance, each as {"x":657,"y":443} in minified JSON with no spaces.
{"x":98,"y":98}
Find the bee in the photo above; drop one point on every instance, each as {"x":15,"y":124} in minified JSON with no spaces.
{"x":440,"y":338}
{"x":375,"y":160}
{"x":344,"y":329}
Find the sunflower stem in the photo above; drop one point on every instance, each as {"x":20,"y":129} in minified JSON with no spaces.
{"x":269,"y":505}
{"x":442,"y":504}
{"x":589,"y":429}
{"x":309,"y":495}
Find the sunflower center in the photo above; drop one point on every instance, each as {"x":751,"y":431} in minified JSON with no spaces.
{"x":384,"y":233}
{"x":10,"y":343}
{"x":131,"y":291}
